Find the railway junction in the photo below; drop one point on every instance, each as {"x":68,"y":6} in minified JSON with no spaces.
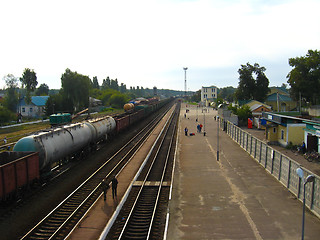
{"x":233,"y":198}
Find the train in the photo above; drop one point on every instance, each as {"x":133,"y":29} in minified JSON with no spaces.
{"x":65,"y":142}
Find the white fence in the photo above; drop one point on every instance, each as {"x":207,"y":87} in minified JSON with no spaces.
{"x":278,"y":165}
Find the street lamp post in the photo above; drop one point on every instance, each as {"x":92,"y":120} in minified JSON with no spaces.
{"x":185,"y":81}
{"x":310,"y":178}
{"x":217,"y":138}
{"x":204,"y":124}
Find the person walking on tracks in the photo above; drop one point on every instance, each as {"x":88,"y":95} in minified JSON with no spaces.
{"x":105,"y":188}
{"x":114,"y":187}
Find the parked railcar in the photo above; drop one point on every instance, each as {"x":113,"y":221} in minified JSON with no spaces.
{"x":60,"y":119}
{"x":128,"y":107}
{"x":123,"y":122}
{"x":18,"y":170}
{"x":62,"y":142}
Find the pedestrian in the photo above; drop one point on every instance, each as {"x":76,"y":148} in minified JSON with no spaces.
{"x":200,"y":127}
{"x":185,"y":115}
{"x":186,"y":131}
{"x":114,"y":187}
{"x":5,"y":140}
{"x":303,"y":147}
{"x":105,"y":188}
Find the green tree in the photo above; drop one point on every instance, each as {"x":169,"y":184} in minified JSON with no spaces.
{"x":95,"y":83}
{"x":114,"y":84}
{"x":243,"y":113}
{"x":58,"y":104}
{"x":106,"y":83}
{"x":11,"y":99}
{"x":304,"y":78}
{"x":196,"y":97}
{"x":123,"y":88}
{"x":6,"y":115}
{"x":118,"y":100}
{"x":75,"y":88}
{"x":253,"y":83}
{"x":227,"y":93}
{"x":43,"y":90}
{"x":29,"y":80}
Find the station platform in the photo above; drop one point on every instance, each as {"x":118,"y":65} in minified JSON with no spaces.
{"x":233,"y":198}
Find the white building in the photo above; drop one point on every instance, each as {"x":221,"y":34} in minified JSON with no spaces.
{"x":209,"y":95}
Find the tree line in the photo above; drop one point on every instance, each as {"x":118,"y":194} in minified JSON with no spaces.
{"x":73,"y":95}
{"x":303,"y":81}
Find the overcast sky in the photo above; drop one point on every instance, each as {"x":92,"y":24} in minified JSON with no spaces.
{"x":148,"y":42}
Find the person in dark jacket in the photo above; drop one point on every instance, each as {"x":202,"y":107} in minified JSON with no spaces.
{"x":114,"y":187}
{"x":105,"y":188}
{"x":186,"y":131}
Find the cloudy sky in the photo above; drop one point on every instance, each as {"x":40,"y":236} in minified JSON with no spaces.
{"x":148,"y":42}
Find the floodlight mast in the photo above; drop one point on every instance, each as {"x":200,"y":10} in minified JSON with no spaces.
{"x":185,"y":81}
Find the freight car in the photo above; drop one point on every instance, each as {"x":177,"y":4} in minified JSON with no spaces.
{"x":65,"y":142}
{"x":35,"y":155}
{"x":72,"y":140}
{"x":18,"y":170}
{"x":60,"y":119}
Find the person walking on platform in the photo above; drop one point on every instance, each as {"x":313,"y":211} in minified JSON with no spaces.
{"x":105,"y":188}
{"x":114,"y":187}
{"x":186,"y":131}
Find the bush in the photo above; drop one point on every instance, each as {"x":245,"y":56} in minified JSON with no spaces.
{"x":6,"y":115}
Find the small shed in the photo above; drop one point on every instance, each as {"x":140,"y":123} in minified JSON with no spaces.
{"x":284,"y":129}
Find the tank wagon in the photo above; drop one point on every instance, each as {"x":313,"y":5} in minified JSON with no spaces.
{"x":63,"y":142}
{"x":70,"y":140}
{"x":34,"y":156}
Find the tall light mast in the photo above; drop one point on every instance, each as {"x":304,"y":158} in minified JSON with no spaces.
{"x":185,"y":81}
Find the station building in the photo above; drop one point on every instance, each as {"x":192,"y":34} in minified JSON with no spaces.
{"x":208,"y":95}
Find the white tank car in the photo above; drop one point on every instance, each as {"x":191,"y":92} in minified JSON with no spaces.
{"x":64,"y":141}
{"x":101,"y":127}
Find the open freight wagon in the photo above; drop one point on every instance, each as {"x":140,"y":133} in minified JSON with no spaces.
{"x":18,"y":170}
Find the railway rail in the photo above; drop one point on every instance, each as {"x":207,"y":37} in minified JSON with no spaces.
{"x":143,"y":215}
{"x":61,"y":220}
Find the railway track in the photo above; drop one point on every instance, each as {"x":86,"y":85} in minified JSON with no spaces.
{"x":143,"y":215}
{"x":61,"y":220}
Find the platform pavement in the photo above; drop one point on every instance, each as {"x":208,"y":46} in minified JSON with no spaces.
{"x":233,"y":198}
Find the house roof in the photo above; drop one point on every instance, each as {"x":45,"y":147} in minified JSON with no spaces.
{"x":39,"y":100}
{"x":281,"y":90}
{"x":252,"y":103}
{"x":36,"y":100}
{"x":273,"y":98}
{"x":256,"y":106}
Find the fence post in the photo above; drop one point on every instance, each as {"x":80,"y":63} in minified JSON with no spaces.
{"x":260,"y":152}
{"x":266,"y":159}
{"x":289,"y":175}
{"x":255,"y":148}
{"x":312,"y":195}
{"x":272,"y":161}
{"x":299,"y":187}
{"x":280,"y":167}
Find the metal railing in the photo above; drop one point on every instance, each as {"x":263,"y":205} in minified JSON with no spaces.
{"x":278,"y":165}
